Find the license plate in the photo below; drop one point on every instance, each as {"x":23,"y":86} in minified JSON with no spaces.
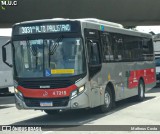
{"x":46,"y":104}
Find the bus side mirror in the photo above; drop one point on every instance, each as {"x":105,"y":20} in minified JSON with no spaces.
{"x":4,"y":54}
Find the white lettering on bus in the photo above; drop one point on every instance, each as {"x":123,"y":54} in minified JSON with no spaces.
{"x":45,"y":29}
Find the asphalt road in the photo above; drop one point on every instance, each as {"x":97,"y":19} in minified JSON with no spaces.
{"x":127,"y":112}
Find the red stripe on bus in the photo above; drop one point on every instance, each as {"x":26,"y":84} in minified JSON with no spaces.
{"x":47,"y":93}
{"x":148,"y":76}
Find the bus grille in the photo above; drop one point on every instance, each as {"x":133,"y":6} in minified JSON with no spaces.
{"x":53,"y":84}
{"x":57,"y":102}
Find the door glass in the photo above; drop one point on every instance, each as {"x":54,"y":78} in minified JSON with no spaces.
{"x":94,"y":53}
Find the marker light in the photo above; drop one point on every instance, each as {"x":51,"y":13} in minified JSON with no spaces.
{"x":73,"y":94}
{"x":102,"y":28}
{"x":18,"y":93}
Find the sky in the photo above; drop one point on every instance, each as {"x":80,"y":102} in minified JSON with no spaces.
{"x":5,"y":31}
{"x":146,"y":29}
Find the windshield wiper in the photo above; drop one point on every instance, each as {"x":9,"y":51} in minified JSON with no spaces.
{"x":28,"y":53}
{"x":54,"y":48}
{"x":33,"y":50}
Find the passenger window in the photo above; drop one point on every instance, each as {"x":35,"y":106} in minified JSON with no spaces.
{"x":132,"y":48}
{"x":118,"y":47}
{"x":147,"y":49}
{"x":107,"y":48}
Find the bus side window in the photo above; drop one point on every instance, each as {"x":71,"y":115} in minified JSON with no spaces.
{"x":118,"y":47}
{"x":147,"y":49}
{"x":94,"y":53}
{"x":132,"y":48}
{"x":107,"y":48}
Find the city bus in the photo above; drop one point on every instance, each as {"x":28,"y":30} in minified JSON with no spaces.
{"x":156,"y":39}
{"x":62,"y":64}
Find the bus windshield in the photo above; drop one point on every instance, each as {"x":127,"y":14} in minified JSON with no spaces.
{"x":49,"y":57}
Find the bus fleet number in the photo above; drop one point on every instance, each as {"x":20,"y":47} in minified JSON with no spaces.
{"x":59,"y":93}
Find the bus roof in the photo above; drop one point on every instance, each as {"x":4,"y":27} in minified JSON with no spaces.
{"x":91,"y":21}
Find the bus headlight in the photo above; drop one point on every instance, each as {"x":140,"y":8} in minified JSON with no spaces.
{"x":81,"y":89}
{"x":77,"y":92}
{"x":18,"y":93}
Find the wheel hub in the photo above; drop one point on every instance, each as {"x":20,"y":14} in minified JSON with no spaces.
{"x":107,"y":99}
{"x":141,"y":89}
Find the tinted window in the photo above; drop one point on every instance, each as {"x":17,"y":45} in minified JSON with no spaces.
{"x":147,"y":49}
{"x":107,"y":48}
{"x":118,"y":48}
{"x":157,"y":61}
{"x":133,"y":49}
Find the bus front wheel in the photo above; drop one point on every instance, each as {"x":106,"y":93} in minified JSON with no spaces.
{"x":108,"y":101}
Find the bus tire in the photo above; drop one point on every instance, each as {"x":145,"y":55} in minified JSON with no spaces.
{"x":51,"y":112}
{"x":108,"y":101}
{"x":141,"y":91}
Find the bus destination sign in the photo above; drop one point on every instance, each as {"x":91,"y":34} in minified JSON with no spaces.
{"x":45,"y":28}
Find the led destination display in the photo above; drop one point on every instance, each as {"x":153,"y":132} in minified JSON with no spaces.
{"x":45,"y":29}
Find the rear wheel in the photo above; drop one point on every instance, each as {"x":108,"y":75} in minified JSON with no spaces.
{"x":141,"y":91}
{"x":108,"y":101}
{"x":51,"y":112}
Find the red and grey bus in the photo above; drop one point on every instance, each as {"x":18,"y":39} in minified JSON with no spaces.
{"x":62,"y":64}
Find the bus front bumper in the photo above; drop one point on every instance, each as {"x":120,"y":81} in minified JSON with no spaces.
{"x":81,"y":101}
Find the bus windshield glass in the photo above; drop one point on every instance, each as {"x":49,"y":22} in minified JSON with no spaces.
{"x":58,"y":57}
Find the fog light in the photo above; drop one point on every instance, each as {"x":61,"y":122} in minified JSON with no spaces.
{"x":75,"y":104}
